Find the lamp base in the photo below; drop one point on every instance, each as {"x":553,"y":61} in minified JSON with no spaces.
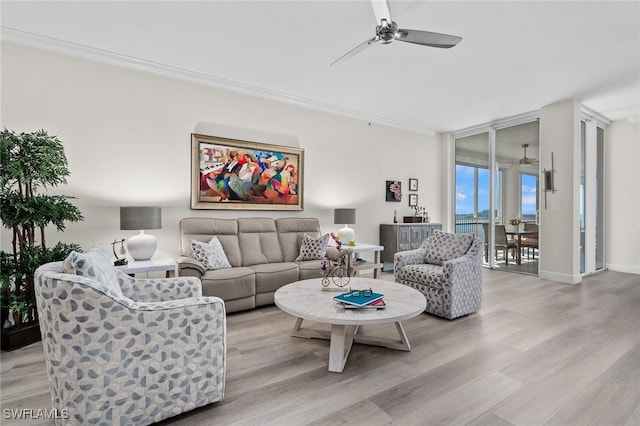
{"x":347,"y":235}
{"x":142,"y":246}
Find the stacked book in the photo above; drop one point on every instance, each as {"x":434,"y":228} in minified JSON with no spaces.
{"x":360,"y":299}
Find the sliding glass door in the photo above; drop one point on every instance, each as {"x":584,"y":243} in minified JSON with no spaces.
{"x":591,"y":220}
{"x":499,"y":168}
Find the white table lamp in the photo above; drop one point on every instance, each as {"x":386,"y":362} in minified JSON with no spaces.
{"x":141,"y":246}
{"x":346,"y":217}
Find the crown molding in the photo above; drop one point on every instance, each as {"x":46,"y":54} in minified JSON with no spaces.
{"x":51,"y":44}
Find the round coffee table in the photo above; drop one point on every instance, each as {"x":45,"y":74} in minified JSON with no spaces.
{"x":306,"y":300}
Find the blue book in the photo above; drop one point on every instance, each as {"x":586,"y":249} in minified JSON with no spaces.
{"x":359,"y":300}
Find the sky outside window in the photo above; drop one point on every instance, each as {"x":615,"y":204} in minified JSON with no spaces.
{"x":529,"y":195}
{"x":468,"y":190}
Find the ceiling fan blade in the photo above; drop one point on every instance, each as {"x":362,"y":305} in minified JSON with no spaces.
{"x":427,"y":38}
{"x":359,"y":48}
{"x":381,"y":10}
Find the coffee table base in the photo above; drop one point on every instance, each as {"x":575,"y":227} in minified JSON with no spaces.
{"x":342,"y":337}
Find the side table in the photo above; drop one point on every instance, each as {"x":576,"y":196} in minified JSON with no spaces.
{"x":364,"y":248}
{"x":157,"y":263}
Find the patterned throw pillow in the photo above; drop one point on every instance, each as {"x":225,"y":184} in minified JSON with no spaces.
{"x":95,"y":264}
{"x":313,"y":248}
{"x":445,"y":246}
{"x":210,"y":254}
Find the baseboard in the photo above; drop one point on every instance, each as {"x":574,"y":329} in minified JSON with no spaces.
{"x":628,"y":269}
{"x":561,"y":278}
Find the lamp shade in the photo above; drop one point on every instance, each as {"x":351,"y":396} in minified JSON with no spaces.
{"x":140,"y":217}
{"x":344,"y":216}
{"x":141,"y":246}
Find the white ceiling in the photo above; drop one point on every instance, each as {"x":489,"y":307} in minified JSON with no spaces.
{"x":515,"y":56}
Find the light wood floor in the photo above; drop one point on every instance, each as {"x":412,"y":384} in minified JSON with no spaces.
{"x":537,"y":353}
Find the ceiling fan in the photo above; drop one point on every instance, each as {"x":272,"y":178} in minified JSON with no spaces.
{"x":525,"y":161}
{"x":387,"y":31}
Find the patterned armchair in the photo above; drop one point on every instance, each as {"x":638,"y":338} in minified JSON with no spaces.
{"x":127,"y":351}
{"x":447,"y":269}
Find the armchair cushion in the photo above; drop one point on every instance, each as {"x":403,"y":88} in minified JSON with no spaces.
{"x":210,"y":254}
{"x":313,"y":248}
{"x":426,"y":274}
{"x":94,"y":264}
{"x":445,"y":246}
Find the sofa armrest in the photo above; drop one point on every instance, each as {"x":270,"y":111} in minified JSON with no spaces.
{"x":190,"y":267}
{"x":159,"y":289}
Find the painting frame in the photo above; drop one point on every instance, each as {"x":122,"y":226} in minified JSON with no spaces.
{"x":413,"y":184}
{"x":393,"y":191}
{"x":234,"y":174}
{"x":413,"y":200}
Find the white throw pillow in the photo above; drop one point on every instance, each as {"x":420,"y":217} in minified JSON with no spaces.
{"x":210,"y":254}
{"x":313,"y":248}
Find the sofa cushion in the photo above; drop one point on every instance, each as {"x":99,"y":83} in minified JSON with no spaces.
{"x":290,"y":233}
{"x":313,"y":248}
{"x":211,"y":254}
{"x":94,"y":264}
{"x":445,"y":246}
{"x":272,"y":276}
{"x":204,"y":228}
{"x":229,"y":283}
{"x":310,"y":269}
{"x":258,"y":241}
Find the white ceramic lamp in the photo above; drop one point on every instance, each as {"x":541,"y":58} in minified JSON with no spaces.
{"x":345,"y":217}
{"x":141,"y":246}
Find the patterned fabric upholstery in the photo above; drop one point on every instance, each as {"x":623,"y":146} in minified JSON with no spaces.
{"x":153,"y":352}
{"x":94,"y":264}
{"x":452,"y":289}
{"x":313,"y":248}
{"x":210,"y":254}
{"x":445,"y":246}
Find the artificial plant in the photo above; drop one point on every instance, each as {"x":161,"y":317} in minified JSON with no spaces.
{"x":30,"y":162}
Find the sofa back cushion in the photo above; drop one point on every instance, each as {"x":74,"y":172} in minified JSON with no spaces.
{"x":445,"y":246}
{"x":290,"y":233}
{"x":203,"y":229}
{"x":258,"y":240}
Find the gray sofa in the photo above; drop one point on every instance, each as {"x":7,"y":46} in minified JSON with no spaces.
{"x":261,"y":251}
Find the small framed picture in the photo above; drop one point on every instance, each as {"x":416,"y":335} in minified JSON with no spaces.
{"x":413,"y":184}
{"x":413,"y":200}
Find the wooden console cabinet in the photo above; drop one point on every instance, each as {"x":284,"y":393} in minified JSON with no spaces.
{"x":397,"y":237}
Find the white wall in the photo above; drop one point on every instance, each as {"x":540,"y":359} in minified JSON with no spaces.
{"x":127,"y":138}
{"x":559,"y":231}
{"x":622,"y":199}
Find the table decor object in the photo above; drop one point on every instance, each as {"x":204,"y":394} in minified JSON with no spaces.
{"x":346,"y":217}
{"x":138,"y":218}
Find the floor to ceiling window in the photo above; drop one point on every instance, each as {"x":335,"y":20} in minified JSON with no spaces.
{"x":499,"y":168}
{"x":591,"y":220}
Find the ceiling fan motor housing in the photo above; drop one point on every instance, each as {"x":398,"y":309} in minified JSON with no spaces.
{"x":386,"y":31}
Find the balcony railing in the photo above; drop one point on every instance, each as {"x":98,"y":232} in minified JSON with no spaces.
{"x":466,"y":224}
